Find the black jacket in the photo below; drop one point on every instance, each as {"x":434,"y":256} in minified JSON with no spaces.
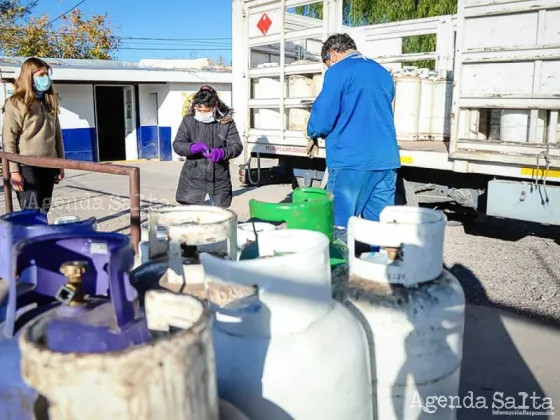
{"x":199,"y":174}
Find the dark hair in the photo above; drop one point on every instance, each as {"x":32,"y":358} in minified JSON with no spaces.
{"x":339,"y":43}
{"x":207,"y":96}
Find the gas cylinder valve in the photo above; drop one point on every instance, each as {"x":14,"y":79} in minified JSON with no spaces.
{"x":72,"y":293}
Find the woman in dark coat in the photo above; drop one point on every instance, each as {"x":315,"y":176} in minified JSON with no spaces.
{"x":208,"y":138}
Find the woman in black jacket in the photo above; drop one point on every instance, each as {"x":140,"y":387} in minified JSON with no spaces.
{"x":208,"y":138}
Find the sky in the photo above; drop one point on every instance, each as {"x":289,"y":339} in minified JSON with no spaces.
{"x":201,"y":27}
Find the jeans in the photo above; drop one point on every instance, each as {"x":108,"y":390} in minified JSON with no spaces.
{"x":361,"y":193}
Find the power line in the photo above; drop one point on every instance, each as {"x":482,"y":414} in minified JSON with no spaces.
{"x":174,"y":49}
{"x":65,"y":13}
{"x":30,"y":7}
{"x":22,"y":12}
{"x":212,"y":40}
{"x":172,"y":44}
{"x":173,"y":39}
{"x":149,"y":47}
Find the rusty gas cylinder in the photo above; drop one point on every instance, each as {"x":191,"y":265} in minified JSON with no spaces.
{"x":175,"y":266}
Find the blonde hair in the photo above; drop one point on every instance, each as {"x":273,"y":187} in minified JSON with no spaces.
{"x":24,"y":91}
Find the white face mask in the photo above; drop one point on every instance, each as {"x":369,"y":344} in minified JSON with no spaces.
{"x":206,"y":117}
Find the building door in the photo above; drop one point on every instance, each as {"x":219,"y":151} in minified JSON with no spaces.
{"x":131,"y":141}
{"x":110,"y":123}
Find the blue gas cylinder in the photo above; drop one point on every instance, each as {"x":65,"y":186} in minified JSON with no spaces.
{"x":92,"y":308}
{"x":13,"y":228}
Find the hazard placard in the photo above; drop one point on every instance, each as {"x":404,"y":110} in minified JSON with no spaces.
{"x":264,"y":24}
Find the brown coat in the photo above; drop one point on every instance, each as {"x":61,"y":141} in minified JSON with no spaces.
{"x":33,"y":133}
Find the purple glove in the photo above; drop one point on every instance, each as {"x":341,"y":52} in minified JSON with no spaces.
{"x":215,"y":155}
{"x":199,"y":147}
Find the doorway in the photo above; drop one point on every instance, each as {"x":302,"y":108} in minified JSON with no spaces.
{"x":115,"y":122}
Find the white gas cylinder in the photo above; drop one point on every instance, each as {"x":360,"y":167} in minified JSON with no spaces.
{"x":268,"y":88}
{"x":441,"y":108}
{"x":247,"y":232}
{"x":426,"y":102}
{"x":407,"y":104}
{"x":298,"y":119}
{"x":318,"y":83}
{"x":413,"y":310}
{"x":291,"y":352}
{"x":134,"y":383}
{"x":300,"y":86}
{"x":515,"y":126}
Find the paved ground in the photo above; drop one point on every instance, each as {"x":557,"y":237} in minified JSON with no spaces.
{"x":501,"y":264}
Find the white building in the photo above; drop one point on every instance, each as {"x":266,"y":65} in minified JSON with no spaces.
{"x":114,"y":111}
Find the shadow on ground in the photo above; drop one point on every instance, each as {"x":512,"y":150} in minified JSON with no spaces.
{"x":496,"y":228}
{"x":492,"y":366}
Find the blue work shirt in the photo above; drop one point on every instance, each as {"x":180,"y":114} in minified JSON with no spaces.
{"x":354,"y":114}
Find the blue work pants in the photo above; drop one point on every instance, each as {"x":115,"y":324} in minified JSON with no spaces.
{"x":361,"y":193}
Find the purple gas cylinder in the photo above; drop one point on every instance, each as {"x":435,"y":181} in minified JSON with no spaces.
{"x":13,"y":228}
{"x":75,"y":270}
{"x":92,"y":265}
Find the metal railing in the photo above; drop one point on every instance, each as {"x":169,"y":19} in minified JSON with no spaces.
{"x":132,"y":172}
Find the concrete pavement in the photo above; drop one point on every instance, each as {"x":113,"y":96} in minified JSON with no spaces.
{"x":508,"y":353}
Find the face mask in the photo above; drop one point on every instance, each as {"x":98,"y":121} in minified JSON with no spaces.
{"x":332,"y":63}
{"x":206,"y":117}
{"x":41,"y":83}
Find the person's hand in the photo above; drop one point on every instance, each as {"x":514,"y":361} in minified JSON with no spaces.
{"x":215,"y":155}
{"x":17,"y":181}
{"x":199,"y":147}
{"x":59,"y":177}
{"x":312,"y":148}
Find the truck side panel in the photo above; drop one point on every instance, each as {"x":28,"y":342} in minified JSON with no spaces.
{"x":507,"y":82}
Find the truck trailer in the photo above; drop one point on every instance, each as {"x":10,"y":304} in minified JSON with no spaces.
{"x":476,"y":118}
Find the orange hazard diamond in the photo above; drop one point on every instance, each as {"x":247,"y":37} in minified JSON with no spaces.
{"x":264,"y":24}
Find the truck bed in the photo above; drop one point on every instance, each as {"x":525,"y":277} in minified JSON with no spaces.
{"x":424,"y":146}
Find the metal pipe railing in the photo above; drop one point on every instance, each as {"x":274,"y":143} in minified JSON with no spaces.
{"x":132,"y":172}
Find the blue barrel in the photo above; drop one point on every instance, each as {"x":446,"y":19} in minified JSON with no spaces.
{"x":22,"y":225}
{"x":107,"y":320}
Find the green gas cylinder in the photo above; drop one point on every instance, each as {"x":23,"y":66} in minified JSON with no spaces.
{"x":311,"y":209}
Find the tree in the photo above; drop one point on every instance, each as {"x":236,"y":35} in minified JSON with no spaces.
{"x":369,"y":12}
{"x":11,"y":10}
{"x":76,"y":37}
{"x":220,"y":61}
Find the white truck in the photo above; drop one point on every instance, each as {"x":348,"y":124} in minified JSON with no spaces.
{"x":478,"y":128}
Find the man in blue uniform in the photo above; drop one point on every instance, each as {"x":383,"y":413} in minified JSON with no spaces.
{"x":354,"y":114}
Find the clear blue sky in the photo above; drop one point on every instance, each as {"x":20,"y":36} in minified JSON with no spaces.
{"x":196,"y":24}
